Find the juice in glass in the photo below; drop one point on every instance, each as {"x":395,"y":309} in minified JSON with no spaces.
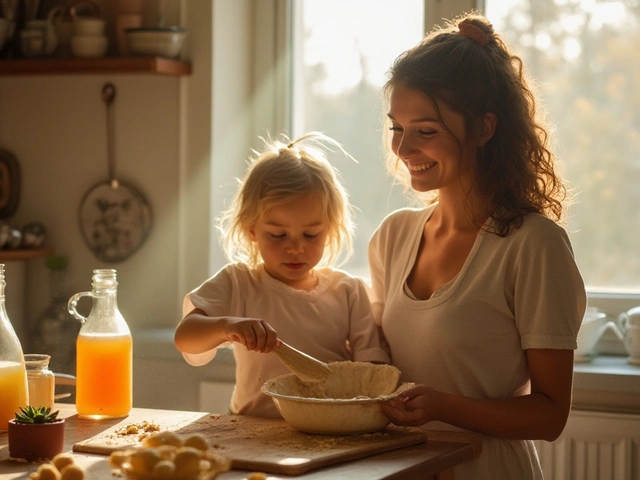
{"x":13,"y":385}
{"x":104,"y":375}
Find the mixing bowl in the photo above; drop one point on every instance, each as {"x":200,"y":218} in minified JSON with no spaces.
{"x":348,"y":402}
{"x":161,"y":41}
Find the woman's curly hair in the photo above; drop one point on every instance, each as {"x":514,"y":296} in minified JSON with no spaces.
{"x":466,"y":66}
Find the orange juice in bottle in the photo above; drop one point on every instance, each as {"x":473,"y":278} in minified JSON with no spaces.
{"x":13,"y":375}
{"x":14,"y":392}
{"x":104,"y":353}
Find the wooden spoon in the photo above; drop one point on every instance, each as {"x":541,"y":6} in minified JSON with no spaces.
{"x":307,"y":368}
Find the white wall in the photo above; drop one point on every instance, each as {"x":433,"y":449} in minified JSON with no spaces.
{"x":164,"y":132}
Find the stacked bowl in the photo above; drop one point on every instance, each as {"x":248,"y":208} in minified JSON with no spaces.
{"x":156,"y":41}
{"x":88,"y":38}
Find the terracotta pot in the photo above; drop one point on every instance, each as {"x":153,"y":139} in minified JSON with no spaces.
{"x":33,"y":441}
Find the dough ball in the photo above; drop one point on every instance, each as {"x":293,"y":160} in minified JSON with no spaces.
{"x":163,"y":438}
{"x":167,"y":452}
{"x":117,"y":458}
{"x":143,"y":460}
{"x":187,"y":462}
{"x":72,"y":472}
{"x":62,"y":460}
{"x":197,"y":441}
{"x":165,"y":469}
{"x":48,"y":472}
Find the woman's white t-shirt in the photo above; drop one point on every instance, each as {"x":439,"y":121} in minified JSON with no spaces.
{"x":333,"y":322}
{"x":513,"y":293}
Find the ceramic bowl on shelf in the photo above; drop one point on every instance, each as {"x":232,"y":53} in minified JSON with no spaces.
{"x":89,"y":46}
{"x":88,"y":26}
{"x":158,"y":41}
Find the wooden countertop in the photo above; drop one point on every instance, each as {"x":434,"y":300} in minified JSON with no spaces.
{"x":433,"y":459}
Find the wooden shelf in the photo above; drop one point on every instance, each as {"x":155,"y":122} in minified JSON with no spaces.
{"x":71,"y":66}
{"x":24,"y":254}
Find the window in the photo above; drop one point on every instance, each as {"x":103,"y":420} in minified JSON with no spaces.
{"x":584,"y":55}
{"x":339,"y":69}
{"x":584,"y":60}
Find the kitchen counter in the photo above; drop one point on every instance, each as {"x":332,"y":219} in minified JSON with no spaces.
{"x":433,"y":459}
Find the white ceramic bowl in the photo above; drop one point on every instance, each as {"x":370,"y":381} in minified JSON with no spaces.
{"x":594,"y":324}
{"x":88,"y":26}
{"x":89,"y":46}
{"x":347,"y":403}
{"x":160,"y":41}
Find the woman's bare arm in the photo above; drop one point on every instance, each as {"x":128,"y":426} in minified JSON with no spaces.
{"x":541,"y":414}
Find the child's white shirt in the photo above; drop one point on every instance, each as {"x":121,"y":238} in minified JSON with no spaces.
{"x":319,"y":323}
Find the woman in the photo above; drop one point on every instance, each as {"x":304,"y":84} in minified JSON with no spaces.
{"x":477,"y":293}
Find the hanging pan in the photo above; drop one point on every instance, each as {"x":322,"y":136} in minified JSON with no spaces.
{"x":115,"y":218}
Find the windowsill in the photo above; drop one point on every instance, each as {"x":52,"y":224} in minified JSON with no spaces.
{"x":607,"y":383}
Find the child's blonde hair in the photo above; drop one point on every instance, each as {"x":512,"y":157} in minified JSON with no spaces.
{"x":281,"y":172}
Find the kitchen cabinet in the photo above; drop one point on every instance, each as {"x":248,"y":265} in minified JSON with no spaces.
{"x":103,"y":65}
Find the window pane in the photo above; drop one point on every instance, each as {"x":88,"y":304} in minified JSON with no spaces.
{"x":585,"y":56}
{"x":345,"y":48}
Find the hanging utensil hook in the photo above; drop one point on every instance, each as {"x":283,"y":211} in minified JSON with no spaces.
{"x":108,"y":96}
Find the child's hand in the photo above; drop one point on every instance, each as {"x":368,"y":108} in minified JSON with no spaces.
{"x":253,"y":333}
{"x":413,"y":407}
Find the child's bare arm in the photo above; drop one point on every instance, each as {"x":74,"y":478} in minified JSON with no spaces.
{"x":198,"y":333}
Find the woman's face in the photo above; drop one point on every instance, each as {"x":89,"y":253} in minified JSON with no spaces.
{"x":431,"y":152}
{"x":291,"y":239}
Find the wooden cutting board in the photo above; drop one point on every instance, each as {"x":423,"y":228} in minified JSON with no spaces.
{"x":257,"y":444}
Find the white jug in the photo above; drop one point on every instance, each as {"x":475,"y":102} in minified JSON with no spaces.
{"x":48,"y":32}
{"x":630,"y":325}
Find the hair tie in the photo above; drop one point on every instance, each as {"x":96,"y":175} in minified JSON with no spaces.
{"x":470,"y":30}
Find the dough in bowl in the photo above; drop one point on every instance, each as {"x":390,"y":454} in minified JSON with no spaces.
{"x":347,"y":380}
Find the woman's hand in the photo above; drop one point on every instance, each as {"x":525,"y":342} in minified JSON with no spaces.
{"x":253,"y":333}
{"x":413,"y":407}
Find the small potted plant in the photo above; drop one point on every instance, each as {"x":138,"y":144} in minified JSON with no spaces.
{"x":36,"y":433}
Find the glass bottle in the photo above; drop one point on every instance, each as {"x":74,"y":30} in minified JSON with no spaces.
{"x":13,"y":376}
{"x":40,"y":380}
{"x":104,"y":352}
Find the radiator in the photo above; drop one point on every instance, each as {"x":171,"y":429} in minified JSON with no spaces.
{"x":594,"y":446}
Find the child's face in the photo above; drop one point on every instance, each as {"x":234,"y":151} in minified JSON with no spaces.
{"x":291,"y":239}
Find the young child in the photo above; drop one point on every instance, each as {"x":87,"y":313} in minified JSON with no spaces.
{"x":289,"y":223}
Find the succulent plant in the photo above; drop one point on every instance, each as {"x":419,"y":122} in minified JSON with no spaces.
{"x":36,"y":415}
